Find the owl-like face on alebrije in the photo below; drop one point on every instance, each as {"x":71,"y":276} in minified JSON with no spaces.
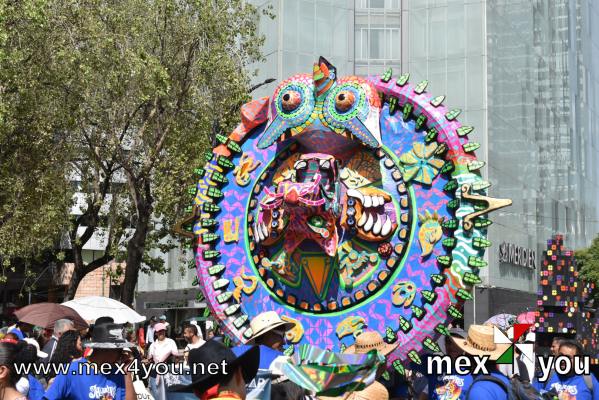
{"x":320,"y":109}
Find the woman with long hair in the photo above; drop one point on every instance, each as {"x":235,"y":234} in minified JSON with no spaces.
{"x":10,"y":354}
{"x":68,"y":348}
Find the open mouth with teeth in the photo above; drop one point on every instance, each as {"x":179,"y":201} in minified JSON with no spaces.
{"x":374,"y":213}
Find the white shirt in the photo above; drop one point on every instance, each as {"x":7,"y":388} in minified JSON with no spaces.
{"x":150,"y":334}
{"x":160,"y":350}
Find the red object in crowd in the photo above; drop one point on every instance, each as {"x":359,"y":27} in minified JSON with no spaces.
{"x":87,"y":352}
{"x":141,"y":338}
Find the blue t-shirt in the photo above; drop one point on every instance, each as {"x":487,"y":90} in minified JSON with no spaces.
{"x":36,"y":390}
{"x":571,"y":388}
{"x":74,"y":386}
{"x":489,"y":390}
{"x":450,"y":387}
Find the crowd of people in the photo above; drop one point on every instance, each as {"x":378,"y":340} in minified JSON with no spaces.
{"x":82,"y":353}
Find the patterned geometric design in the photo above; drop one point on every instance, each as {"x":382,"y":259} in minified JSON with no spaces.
{"x":364,"y":126}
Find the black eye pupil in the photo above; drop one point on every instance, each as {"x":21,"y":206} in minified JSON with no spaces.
{"x":341,"y":97}
{"x":286,"y":97}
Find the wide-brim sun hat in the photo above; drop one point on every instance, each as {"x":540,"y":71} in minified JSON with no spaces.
{"x":214,"y":352}
{"x":266,"y":322}
{"x":374,"y":391}
{"x":480,"y":342}
{"x":108,"y":336}
{"x":368,"y":341}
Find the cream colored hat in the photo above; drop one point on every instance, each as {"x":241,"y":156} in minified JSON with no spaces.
{"x":480,"y":342}
{"x":370,"y":340}
{"x":376,"y":391}
{"x":267,"y":321}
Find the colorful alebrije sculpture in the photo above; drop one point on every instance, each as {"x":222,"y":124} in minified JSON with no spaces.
{"x":316,"y":196}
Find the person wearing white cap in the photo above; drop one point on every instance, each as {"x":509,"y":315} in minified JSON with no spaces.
{"x":160,"y":351}
{"x":269,"y":330}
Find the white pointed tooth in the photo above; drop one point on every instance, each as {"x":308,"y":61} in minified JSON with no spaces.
{"x":387,"y":226}
{"x":264,"y":230}
{"x":362,"y":220}
{"x":374,"y":200}
{"x":367,"y":201}
{"x":357,"y":194}
{"x":257,"y":232}
{"x":369,"y":223}
{"x":378,"y":225}
{"x":381,"y":201}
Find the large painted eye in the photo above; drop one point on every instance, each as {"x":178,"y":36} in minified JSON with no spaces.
{"x":291,"y":100}
{"x":344,"y":101}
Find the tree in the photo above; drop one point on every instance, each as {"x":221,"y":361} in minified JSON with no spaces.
{"x":145,"y":83}
{"x":588,"y":263}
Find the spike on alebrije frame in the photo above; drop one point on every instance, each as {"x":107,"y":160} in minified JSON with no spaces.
{"x":213,"y":192}
{"x":471,"y":146}
{"x":195,"y":281}
{"x":481,"y":243}
{"x":288,"y":351}
{"x":224,"y":297}
{"x":211,"y":254}
{"x":447,"y":167}
{"x":413,"y":355}
{"x":444,"y":261}
{"x":407,"y":110}
{"x":463,"y":294}
{"x":451,"y":186}
{"x":200,"y":296}
{"x":450,"y":224}
{"x":188,"y":209}
{"x":475,"y":165}
{"x":240,"y":321}
{"x":403,"y":79}
{"x":479,"y":206}
{"x":449,"y":243}
{"x":217,"y":177}
{"x":429,"y":296}
{"x":437,"y":101}
{"x":399,"y":367}
{"x":393,"y":102}
{"x":471,"y":279}
{"x":208,"y":222}
{"x":404,"y":324}
{"x":216,"y":269}
{"x":206,"y":312}
{"x":199,"y":172}
{"x":437,"y":280}
{"x":210,"y":207}
{"x":453,"y":114}
{"x":382,"y":97}
{"x":224,"y":162}
{"x":248,"y":334}
{"x":418,"y":312}
{"x":208,"y":155}
{"x":431,"y":135}
{"x":231,"y":144}
{"x":192,"y":190}
{"x":220,"y":284}
{"x":442,"y":329}
{"x":480,"y":223}
{"x":420,"y":121}
{"x":441,"y":150}
{"x":453,"y":204}
{"x":464,"y":130}
{"x":431,"y":345}
{"x":476,"y":262}
{"x":390,"y":335}
{"x":232,"y":309}
{"x":480,"y":185}
{"x":421,"y":87}
{"x":454,"y":312}
{"x":191,"y":265}
{"x":387,"y":75}
{"x":209,"y":238}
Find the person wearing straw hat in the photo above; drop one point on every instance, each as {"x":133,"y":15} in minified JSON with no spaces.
{"x":480,"y":342}
{"x":84,"y":382}
{"x":367,"y":341}
{"x":269,"y":330}
{"x":374,"y":391}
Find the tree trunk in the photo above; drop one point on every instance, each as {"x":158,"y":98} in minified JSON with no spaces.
{"x":78,"y":274}
{"x":135,"y":251}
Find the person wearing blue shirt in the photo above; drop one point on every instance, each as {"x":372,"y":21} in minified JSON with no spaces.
{"x":570,"y":386}
{"x":84,"y":381}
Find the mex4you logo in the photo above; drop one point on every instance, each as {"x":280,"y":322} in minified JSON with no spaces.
{"x":489,"y":343}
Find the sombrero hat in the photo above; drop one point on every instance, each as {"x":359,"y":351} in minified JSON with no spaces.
{"x":268,"y":321}
{"x":368,"y":341}
{"x":374,"y":391}
{"x":480,"y":342}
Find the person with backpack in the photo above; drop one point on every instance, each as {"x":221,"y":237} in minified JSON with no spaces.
{"x":571,"y":386}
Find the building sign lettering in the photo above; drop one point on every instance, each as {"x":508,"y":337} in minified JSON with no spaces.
{"x":511,"y":254}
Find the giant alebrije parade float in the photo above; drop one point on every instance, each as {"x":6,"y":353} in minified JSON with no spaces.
{"x":343,"y":204}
